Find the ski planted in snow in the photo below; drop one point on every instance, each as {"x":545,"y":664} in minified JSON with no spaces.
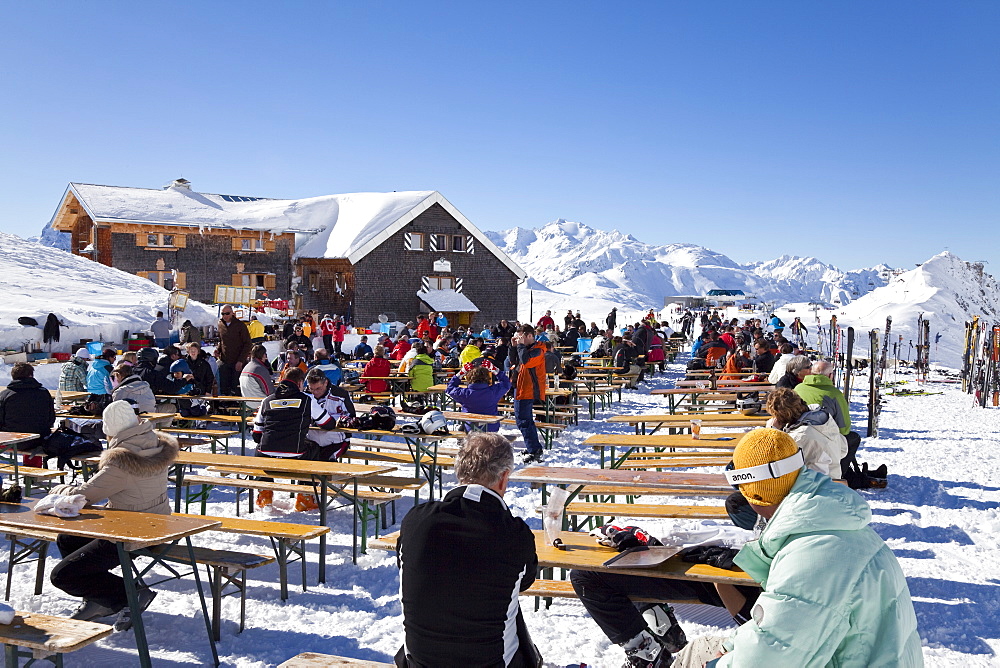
{"x":874,"y":383}
{"x":849,"y":364}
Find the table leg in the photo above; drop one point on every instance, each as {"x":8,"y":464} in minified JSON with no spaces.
{"x":125,"y":559}
{"x":323,"y":499}
{"x":201,"y":597}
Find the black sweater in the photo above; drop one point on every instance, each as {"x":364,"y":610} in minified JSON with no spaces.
{"x":463,"y":561}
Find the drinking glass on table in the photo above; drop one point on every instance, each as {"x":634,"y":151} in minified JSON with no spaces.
{"x":696,"y":429}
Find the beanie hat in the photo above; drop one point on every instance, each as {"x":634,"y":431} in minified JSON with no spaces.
{"x":148,"y":355}
{"x":83,"y":354}
{"x":180,"y":365}
{"x":763,"y":446}
{"x":119,"y":416}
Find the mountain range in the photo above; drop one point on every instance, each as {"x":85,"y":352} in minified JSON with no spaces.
{"x":567,"y":258}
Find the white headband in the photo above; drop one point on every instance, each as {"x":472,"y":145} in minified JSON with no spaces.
{"x":766,"y":471}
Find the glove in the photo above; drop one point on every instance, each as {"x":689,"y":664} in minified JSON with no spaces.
{"x":713,"y":555}
{"x":623,"y":538}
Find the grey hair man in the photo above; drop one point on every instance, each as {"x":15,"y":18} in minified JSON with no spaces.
{"x":463,"y":560}
{"x":796,"y":369}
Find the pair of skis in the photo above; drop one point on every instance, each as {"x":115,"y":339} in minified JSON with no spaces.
{"x":877,"y":360}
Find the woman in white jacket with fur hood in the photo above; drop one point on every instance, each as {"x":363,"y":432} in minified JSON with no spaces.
{"x":132,"y":475}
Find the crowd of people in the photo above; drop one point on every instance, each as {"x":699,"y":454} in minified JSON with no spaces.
{"x":465,"y":558}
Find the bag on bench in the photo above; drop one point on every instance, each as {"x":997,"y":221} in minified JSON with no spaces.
{"x":63,"y":444}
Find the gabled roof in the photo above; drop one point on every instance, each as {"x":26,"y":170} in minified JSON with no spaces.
{"x":331,"y":226}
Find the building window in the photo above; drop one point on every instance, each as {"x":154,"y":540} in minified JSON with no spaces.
{"x":161,"y":241}
{"x":441,"y":282}
{"x":458,"y":243}
{"x":314,"y":281}
{"x":165,"y":279}
{"x":252,"y":244}
{"x":439,"y":242}
{"x":414,"y":241}
{"x":259,"y":281}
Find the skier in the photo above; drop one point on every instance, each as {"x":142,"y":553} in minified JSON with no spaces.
{"x":799,"y":330}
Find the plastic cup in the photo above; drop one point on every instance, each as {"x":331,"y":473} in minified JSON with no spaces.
{"x":696,"y":429}
{"x":702,"y":384}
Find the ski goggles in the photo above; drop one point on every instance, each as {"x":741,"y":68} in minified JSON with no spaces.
{"x":737,"y":477}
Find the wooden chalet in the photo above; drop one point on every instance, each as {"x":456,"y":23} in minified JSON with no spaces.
{"x":358,"y":255}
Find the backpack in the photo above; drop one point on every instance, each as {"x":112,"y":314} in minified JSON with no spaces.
{"x":63,"y":444}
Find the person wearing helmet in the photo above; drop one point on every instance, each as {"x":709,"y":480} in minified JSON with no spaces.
{"x":463,"y":560}
{"x":480,"y":395}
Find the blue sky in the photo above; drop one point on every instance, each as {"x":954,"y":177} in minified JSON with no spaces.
{"x":856,"y":132}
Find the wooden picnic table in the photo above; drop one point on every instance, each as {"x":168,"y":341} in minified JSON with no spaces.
{"x":583,"y":552}
{"x":328,"y":476}
{"x":682,"y":421}
{"x":675,"y":395}
{"x":474,"y":419}
{"x":133,"y":533}
{"x":246,"y":410}
{"x":10,"y":439}
{"x":709,"y":443}
{"x":579,"y":478}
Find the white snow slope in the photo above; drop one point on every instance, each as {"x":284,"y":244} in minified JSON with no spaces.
{"x":576,"y":262}
{"x":947,"y":290}
{"x":95,"y":301}
{"x":940,"y":515}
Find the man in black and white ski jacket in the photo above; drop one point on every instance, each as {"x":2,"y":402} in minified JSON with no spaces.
{"x":463,"y":561}
{"x":329,"y":445}
{"x":284,"y":418}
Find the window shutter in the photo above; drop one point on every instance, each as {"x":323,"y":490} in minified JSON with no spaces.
{"x":142,"y":274}
{"x":180,"y":241}
{"x":434,"y":242}
{"x":269,"y":281}
{"x":237,"y":279}
{"x":408,"y":241}
{"x":458,"y":284}
{"x":269,"y":245}
{"x":237,"y":244}
{"x":140,"y":239}
{"x":425,"y":283}
{"x":181,"y":280}
{"x":470,"y":244}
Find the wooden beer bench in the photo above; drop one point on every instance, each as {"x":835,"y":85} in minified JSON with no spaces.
{"x":47,"y":637}
{"x":226,"y":568}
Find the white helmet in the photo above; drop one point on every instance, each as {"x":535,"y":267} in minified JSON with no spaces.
{"x":433,"y":422}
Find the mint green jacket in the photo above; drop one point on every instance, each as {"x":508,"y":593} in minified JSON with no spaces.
{"x":814,"y":387}
{"x":834,"y":594}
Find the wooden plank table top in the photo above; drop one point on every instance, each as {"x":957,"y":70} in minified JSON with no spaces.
{"x":573,"y":475}
{"x":583,"y":552}
{"x":15,"y":437}
{"x":292,"y":465}
{"x":698,"y":391}
{"x":667,"y":462}
{"x":68,"y":395}
{"x":315,"y":660}
{"x":152,"y":417}
{"x":684,"y":419}
{"x":448,"y":415}
{"x":136,"y":530}
{"x":53,"y":634}
{"x":707,"y":442}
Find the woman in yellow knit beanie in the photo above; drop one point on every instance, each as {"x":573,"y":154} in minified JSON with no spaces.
{"x":762,"y":447}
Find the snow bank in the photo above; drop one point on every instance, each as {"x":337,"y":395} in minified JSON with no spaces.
{"x":94,"y":301}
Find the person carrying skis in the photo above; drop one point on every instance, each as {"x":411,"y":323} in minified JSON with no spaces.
{"x":799,"y":331}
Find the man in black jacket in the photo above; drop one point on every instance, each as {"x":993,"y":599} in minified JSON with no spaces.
{"x":463,"y":561}
{"x":26,"y":406}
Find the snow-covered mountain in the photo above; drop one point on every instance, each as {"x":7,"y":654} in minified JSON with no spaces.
{"x":575,"y":262}
{"x":945,"y":289}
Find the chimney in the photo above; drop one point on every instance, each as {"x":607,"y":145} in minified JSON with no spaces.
{"x":179,"y":183}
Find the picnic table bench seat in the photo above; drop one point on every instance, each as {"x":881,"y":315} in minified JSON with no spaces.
{"x":595,"y":512}
{"x":47,"y":636}
{"x":32,"y":473}
{"x":285,"y":537}
{"x":369,"y":503}
{"x":549,"y":429}
{"x":226,"y":568}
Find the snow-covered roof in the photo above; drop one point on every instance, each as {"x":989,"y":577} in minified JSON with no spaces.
{"x":447,"y":300}
{"x":331,"y":226}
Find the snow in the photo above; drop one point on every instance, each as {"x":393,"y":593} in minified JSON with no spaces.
{"x":332,"y":226}
{"x":578,"y":263}
{"x":940,"y":514}
{"x":95,"y":301}
{"x":447,"y":300}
